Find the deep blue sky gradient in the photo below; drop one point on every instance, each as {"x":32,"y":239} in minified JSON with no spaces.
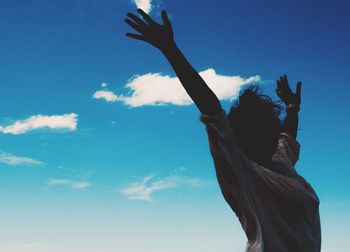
{"x":55,"y":54}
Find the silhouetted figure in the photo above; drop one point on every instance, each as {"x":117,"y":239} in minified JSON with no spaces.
{"x":253,"y":151}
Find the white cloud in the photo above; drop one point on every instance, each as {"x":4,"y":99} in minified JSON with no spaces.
{"x":155,"y":89}
{"x":69,"y":183}
{"x":104,"y":84}
{"x":145,"y":5}
{"x":143,"y":190}
{"x":57,"y":122}
{"x":14,"y":160}
{"x":106,"y":95}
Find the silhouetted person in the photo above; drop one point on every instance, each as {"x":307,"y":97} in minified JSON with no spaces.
{"x":253,"y":151}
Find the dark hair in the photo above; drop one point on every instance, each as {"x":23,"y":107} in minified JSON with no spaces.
{"x":255,"y":121}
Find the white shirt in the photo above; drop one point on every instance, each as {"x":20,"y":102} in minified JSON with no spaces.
{"x":279,"y":213}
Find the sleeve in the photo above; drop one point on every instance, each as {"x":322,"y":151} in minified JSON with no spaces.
{"x":288,"y":150}
{"x":228,"y":160}
{"x":222,"y":144}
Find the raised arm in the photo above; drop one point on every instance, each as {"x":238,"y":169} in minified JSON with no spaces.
{"x":161,"y":36}
{"x":292,"y":102}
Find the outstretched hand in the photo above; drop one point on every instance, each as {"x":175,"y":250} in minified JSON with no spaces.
{"x":158,"y":35}
{"x":286,"y":94}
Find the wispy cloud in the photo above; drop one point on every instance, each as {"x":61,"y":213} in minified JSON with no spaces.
{"x":69,"y":183}
{"x":156,"y":89}
{"x":144,"y":189}
{"x":145,"y":5}
{"x":23,"y":247}
{"x":56,"y":122}
{"x":13,"y":160}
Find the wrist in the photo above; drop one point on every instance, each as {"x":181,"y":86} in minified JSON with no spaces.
{"x":168,"y":47}
{"x":292,"y":107}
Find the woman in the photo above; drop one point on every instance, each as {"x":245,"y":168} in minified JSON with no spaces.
{"x":253,"y":151}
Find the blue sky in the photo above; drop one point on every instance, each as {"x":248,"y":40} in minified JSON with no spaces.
{"x":134,"y":173}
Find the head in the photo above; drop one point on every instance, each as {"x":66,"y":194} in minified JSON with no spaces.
{"x":254,"y":118}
